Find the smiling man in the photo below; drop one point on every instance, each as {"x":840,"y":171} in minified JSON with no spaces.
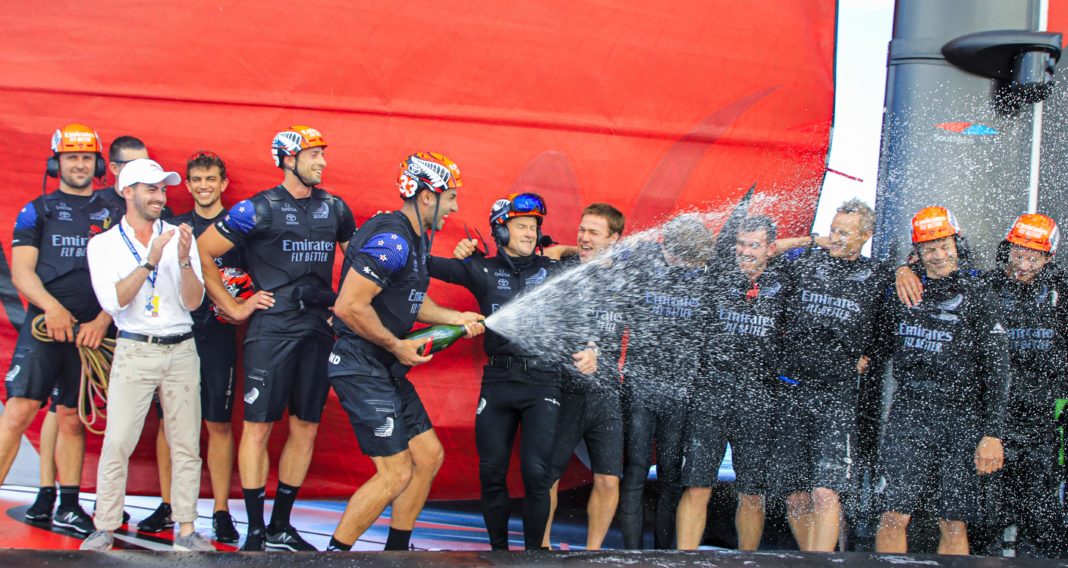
{"x":288,"y":235}
{"x":950,"y":362}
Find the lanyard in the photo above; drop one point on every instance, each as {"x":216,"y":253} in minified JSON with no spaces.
{"x":137,"y":257}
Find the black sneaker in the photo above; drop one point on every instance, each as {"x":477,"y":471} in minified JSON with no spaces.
{"x":288,"y":539}
{"x":42,"y":507}
{"x":223,"y":525}
{"x":159,"y":521}
{"x":255,"y":541}
{"x":74,"y":519}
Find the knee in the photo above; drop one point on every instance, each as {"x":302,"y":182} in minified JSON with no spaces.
{"x":954,"y":531}
{"x":536,"y":478}
{"x":605,"y":483}
{"x":798,"y":501}
{"x":697,"y":495}
{"x":823,"y":498}
{"x":218,"y":429}
{"x":750,"y":502}
{"x":69,"y":423}
{"x":19,"y":413}
{"x":893,"y":521}
{"x":396,"y":473}
{"x":302,"y":430}
{"x":256,"y":433}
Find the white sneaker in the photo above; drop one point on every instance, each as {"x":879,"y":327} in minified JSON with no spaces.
{"x":99,"y":541}
{"x":193,"y":542}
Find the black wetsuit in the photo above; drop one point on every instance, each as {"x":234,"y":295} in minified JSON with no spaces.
{"x":216,"y":341}
{"x":662,"y":360}
{"x":831,"y":322}
{"x":383,"y":406}
{"x":59,"y":226}
{"x":518,"y":387}
{"x":1025,"y":492}
{"x":951,"y":365}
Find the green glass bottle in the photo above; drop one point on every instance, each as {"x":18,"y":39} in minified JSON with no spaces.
{"x":437,"y":336}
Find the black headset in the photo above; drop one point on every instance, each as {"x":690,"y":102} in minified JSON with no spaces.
{"x":52,"y":166}
{"x":501,"y":236}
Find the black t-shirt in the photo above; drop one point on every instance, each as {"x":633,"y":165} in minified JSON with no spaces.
{"x":59,"y":226}
{"x":831,"y":314}
{"x":495,"y":281}
{"x":1036,"y":320}
{"x":203,"y":317}
{"x":389,"y":253}
{"x":950,"y":353}
{"x":286,"y":243}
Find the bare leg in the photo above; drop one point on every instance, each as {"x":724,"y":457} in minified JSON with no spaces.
{"x":252,"y":457}
{"x":70,"y":446}
{"x":17,"y":416}
{"x":691,"y":517}
{"x":49,"y":431}
{"x":392,"y":477}
{"x":954,"y":537}
{"x":427,"y":455}
{"x":892,"y":535}
{"x":826,"y":514}
{"x":749,"y":520}
{"x":600,"y":509}
{"x":297,"y":453}
{"x":220,"y":462}
{"x":799,"y":515}
{"x":552,"y":513}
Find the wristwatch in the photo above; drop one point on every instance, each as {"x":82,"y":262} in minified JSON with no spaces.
{"x":148,"y":266}
{"x":185,"y":264}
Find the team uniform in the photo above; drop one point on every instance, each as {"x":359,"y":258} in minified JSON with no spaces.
{"x":59,"y":226}
{"x":289,"y":247}
{"x":950,"y":362}
{"x":1026,"y":490}
{"x":518,"y":387}
{"x":832,"y":314}
{"x":216,"y":341}
{"x":658,"y":375}
{"x":382,"y":404}
{"x":735,"y":397}
{"x":590,"y":407}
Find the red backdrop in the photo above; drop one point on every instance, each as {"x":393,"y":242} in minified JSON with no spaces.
{"x":652,"y":107}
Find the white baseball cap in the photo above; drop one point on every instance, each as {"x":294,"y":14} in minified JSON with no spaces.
{"x":144,"y":170}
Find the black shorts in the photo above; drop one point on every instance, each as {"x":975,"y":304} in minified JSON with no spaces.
{"x":719,"y":415}
{"x":924,"y":449}
{"x":818,"y":440}
{"x":385,"y":413}
{"x":595,"y":417}
{"x":217,"y":347}
{"x":40,"y":370}
{"x":286,"y":373}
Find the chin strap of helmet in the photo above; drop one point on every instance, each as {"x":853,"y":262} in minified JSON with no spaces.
{"x":300,"y":178}
{"x":429,"y":242}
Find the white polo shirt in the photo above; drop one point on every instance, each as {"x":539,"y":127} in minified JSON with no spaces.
{"x":111,"y":260}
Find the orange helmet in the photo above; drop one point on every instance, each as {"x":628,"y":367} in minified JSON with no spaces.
{"x":76,"y":138}
{"x":427,"y":170}
{"x":933,"y":223}
{"x":292,"y":140}
{"x":1035,"y":231}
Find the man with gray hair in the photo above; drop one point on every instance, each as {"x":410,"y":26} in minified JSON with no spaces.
{"x":835,"y":298}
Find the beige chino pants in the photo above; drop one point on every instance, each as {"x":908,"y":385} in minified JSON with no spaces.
{"x":137,"y":371}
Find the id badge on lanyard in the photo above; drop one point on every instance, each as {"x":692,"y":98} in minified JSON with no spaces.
{"x":152,"y":304}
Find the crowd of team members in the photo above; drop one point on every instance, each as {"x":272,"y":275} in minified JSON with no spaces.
{"x":789,"y":329}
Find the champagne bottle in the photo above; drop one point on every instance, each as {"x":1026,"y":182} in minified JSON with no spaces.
{"x":437,"y":337}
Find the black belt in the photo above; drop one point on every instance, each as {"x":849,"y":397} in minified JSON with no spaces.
{"x":516,"y":362}
{"x":156,"y":339}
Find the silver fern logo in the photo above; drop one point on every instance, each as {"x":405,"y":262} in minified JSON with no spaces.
{"x":436,"y":174}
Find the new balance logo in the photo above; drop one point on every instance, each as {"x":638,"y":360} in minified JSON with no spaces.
{"x":385,"y":430}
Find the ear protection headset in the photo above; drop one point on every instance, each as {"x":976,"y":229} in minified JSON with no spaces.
{"x":515,"y":205}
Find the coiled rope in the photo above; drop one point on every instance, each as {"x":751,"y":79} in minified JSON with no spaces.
{"x":96,"y":368}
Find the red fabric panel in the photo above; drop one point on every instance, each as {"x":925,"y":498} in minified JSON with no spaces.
{"x":652,"y":107}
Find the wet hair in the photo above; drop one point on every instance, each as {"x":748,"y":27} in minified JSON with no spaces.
{"x":857,"y":207}
{"x":686,"y":236}
{"x":123,"y":143}
{"x":205,"y":160}
{"x":759,"y":223}
{"x":613,"y":216}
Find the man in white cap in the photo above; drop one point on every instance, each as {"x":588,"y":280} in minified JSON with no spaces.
{"x":147,"y":280}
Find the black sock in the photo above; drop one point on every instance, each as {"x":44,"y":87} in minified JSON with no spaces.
{"x":336,"y":544}
{"x":254,"y":508}
{"x":68,"y":497}
{"x":284,"y":498}
{"x":398,"y":539}
{"x":47,"y":492}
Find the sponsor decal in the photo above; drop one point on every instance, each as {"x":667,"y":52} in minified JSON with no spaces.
{"x":14,"y":372}
{"x":481,"y":406}
{"x":386,"y":429}
{"x":321,"y":212}
{"x":252,"y":395}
